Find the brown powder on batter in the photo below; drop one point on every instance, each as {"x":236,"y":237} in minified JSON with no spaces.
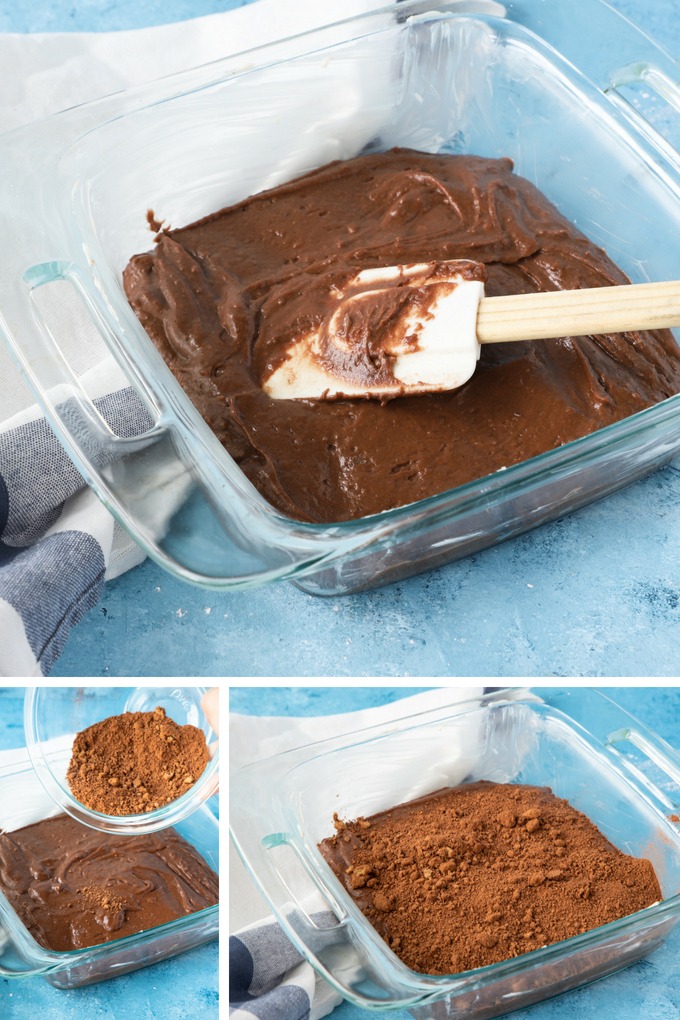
{"x":470,"y":876}
{"x":132,"y":763}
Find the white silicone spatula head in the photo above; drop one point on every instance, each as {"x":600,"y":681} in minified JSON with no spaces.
{"x":389,"y":332}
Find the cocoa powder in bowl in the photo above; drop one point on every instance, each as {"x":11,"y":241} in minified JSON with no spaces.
{"x":470,"y":876}
{"x":135,"y":762}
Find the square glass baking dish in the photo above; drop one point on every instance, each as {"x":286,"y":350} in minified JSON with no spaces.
{"x":23,"y":801}
{"x":605,"y":763}
{"x":544,"y":83}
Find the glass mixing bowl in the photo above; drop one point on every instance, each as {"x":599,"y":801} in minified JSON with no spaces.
{"x":53,"y":716}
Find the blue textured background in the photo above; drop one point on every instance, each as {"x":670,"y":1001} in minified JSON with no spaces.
{"x":649,"y":990}
{"x":595,"y":594}
{"x":185,"y":988}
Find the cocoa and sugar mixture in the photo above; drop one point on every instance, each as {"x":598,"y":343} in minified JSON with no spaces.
{"x":135,"y":762}
{"x":470,"y":876}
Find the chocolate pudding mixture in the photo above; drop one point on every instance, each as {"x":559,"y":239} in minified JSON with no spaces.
{"x":220,"y":297}
{"x":74,"y":887}
{"x":466,"y":877}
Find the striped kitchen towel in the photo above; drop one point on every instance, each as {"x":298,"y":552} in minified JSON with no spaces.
{"x":270,"y":980}
{"x":58,"y":543}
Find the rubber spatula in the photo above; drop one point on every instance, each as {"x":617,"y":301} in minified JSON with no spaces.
{"x":410,"y":329}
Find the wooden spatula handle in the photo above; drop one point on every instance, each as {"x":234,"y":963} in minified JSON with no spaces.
{"x":578,"y":312}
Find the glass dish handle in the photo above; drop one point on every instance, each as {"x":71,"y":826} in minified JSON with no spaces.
{"x":634,"y":90}
{"x":628,"y":66}
{"x":101,"y":456}
{"x":148,"y":480}
{"x":56,"y":384}
{"x":320,"y":927}
{"x":21,"y":968}
{"x":294,"y":889}
{"x":7,"y":972}
{"x":662,"y":779}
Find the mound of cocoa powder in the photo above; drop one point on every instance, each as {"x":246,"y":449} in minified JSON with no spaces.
{"x":470,"y":876}
{"x":132,"y":763}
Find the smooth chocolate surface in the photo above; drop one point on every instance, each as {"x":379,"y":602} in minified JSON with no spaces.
{"x":222,"y":298}
{"x":75,"y":887}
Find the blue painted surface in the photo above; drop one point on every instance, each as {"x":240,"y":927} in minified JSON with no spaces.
{"x":648,"y":989}
{"x":103,"y":16}
{"x":185,"y":988}
{"x":595,"y":594}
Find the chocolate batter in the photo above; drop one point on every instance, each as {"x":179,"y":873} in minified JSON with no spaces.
{"x":466,"y":877}
{"x":74,"y":887}
{"x":222,"y":297}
